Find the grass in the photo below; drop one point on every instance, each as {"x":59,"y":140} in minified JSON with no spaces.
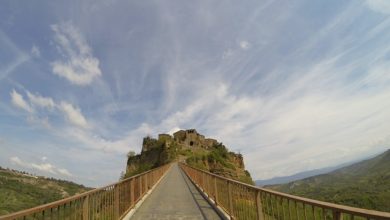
{"x":19,"y":191}
{"x":217,"y":160}
{"x":364,"y":185}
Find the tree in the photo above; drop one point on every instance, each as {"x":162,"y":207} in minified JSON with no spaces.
{"x":131,"y":154}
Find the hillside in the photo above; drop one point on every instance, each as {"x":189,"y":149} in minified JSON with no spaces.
{"x":300,"y":175}
{"x":20,"y":190}
{"x":191,"y":147}
{"x":365,"y":184}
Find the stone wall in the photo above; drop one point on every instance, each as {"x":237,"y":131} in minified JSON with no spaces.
{"x":191,"y":138}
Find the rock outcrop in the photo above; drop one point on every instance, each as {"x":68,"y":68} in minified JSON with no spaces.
{"x":191,"y":147}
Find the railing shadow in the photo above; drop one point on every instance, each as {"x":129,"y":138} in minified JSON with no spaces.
{"x":244,"y":201}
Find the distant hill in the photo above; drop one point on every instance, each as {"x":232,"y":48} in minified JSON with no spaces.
{"x":191,"y":147}
{"x":365,"y":184}
{"x":300,"y":175}
{"x":297,"y":176}
{"x":20,"y":190}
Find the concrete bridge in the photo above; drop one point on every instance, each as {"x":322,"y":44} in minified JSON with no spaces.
{"x":175,"y":197}
{"x":178,"y":191}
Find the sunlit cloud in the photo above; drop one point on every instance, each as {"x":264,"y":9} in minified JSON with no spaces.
{"x":18,"y":100}
{"x":73,"y":114}
{"x":79,"y":66}
{"x":39,"y":101}
{"x":70,"y":113}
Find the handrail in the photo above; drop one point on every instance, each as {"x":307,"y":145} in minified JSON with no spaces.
{"x":244,"y":201}
{"x":109,"y":202}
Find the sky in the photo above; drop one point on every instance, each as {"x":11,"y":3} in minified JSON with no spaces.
{"x":292,"y":85}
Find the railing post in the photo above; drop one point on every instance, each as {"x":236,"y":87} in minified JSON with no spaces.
{"x":259,"y":207}
{"x":86,"y":208}
{"x":337,"y":215}
{"x":140,"y":187}
{"x":230,"y":198}
{"x":205,"y":182}
{"x":146,"y":182}
{"x":208,"y":184}
{"x":132,"y":192}
{"x":215,"y":191}
{"x":116,"y":207}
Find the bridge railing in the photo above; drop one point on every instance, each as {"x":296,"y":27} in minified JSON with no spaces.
{"x":244,"y":201}
{"x":110,"y":202}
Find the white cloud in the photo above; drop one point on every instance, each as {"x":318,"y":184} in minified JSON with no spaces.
{"x":279,"y":103}
{"x":381,"y":6}
{"x":17,"y":161}
{"x":73,"y":114}
{"x":18,"y":100}
{"x":64,"y":172}
{"x":35,"y":51}
{"x":80,"y":67}
{"x":43,"y":102}
{"x":44,"y":167}
{"x":245,"y":45}
{"x":312,"y":115}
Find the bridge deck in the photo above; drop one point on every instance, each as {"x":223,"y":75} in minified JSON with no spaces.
{"x":175,"y":197}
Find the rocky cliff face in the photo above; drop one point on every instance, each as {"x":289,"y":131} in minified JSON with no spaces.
{"x":191,"y":147}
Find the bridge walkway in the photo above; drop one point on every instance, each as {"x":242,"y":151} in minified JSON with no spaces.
{"x":175,"y":197}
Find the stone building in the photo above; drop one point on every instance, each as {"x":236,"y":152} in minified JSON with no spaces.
{"x":191,"y":138}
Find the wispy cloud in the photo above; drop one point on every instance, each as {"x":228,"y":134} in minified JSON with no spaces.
{"x":292,"y":88}
{"x":18,"y":100}
{"x":39,"y":101}
{"x":44,"y":167}
{"x":19,"y":57}
{"x":35,"y":51}
{"x":39,"y":120}
{"x":381,"y":6}
{"x":70,"y":112}
{"x":78,"y":66}
{"x":73,"y":114}
{"x":331,"y":108}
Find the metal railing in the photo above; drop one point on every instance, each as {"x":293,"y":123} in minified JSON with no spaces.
{"x":244,"y":201}
{"x":110,"y":202}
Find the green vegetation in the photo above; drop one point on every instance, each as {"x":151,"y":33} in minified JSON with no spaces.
{"x":365,"y":184}
{"x":19,"y":190}
{"x":276,"y":208}
{"x":191,"y":147}
{"x":220,"y":161}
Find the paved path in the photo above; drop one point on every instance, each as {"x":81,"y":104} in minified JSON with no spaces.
{"x":175,"y":197}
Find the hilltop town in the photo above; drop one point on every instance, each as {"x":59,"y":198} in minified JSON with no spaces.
{"x":192,"y":148}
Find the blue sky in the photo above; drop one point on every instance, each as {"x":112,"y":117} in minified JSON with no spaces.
{"x":292,"y":85}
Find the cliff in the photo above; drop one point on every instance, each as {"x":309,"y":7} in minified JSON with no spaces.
{"x":191,"y":147}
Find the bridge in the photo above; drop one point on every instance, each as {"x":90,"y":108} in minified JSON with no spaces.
{"x":178,"y":191}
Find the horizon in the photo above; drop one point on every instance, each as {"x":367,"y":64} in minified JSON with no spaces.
{"x":336,"y":167}
{"x":292,"y":86}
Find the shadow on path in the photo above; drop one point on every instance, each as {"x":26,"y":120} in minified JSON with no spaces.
{"x":175,"y":197}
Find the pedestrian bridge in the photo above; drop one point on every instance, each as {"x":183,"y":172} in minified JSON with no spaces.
{"x":178,"y":191}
